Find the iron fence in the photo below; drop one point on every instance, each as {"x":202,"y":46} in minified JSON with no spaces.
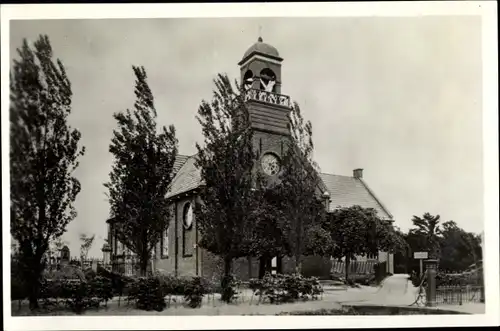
{"x":458,"y":294}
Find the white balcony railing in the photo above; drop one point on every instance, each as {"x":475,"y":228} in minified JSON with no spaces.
{"x":268,"y":97}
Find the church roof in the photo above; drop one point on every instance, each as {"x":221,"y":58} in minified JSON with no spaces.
{"x":187,"y":176}
{"x":260,"y":47}
{"x":345,"y":191}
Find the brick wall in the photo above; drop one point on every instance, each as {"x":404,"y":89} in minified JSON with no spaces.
{"x":185,"y":240}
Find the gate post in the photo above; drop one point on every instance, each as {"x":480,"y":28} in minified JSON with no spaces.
{"x":430,"y":291}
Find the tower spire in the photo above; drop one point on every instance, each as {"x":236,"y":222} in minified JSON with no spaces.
{"x":260,"y":33}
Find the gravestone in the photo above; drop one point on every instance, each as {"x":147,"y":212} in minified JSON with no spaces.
{"x":65,"y":256}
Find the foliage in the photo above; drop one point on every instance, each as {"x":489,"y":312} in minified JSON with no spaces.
{"x":148,"y":294}
{"x":359,"y":231}
{"x":297,"y":196}
{"x":229,"y":289}
{"x":77,"y":295}
{"x":225,"y":218}
{"x":118,"y":281}
{"x":44,"y":153}
{"x":380,"y":271}
{"x":286,"y":288}
{"x":194,"y":292}
{"x":86,"y":244}
{"x":428,"y":231}
{"x":90,"y":274}
{"x":18,"y":289}
{"x":459,"y":248}
{"x":141,"y":174}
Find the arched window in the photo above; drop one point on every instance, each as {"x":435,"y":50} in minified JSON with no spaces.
{"x":187,"y":216}
{"x":187,"y":233}
{"x":267,"y":80}
{"x":248,"y":79}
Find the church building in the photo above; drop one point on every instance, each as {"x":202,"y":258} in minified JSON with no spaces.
{"x":178,"y":253}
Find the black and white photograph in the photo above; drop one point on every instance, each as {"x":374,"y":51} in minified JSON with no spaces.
{"x":228,"y":160}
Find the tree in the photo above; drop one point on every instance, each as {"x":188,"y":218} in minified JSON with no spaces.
{"x":44,"y":153}
{"x":299,"y":192}
{"x":459,"y":248}
{"x":359,"y":231}
{"x":226,"y":218}
{"x":141,"y":173}
{"x":86,"y":243}
{"x":429,"y":230}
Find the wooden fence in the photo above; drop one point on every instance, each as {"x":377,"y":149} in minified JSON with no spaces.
{"x":355,"y":267}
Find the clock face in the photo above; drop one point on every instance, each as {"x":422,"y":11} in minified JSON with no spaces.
{"x":270,"y":164}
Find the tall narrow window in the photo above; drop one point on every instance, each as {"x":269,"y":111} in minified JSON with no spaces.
{"x":164,"y":244}
{"x":188,"y":233}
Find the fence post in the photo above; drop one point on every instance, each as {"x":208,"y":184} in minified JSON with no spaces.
{"x":431,"y":266}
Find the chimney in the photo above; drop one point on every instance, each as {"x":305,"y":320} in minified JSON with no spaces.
{"x":357,"y":173}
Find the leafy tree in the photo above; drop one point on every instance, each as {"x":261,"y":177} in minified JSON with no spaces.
{"x":226,"y":218}
{"x":459,"y":248}
{"x":44,"y":153}
{"x":86,"y":244}
{"x":299,"y":191}
{"x":428,"y":229}
{"x":141,"y":174}
{"x":359,"y":231}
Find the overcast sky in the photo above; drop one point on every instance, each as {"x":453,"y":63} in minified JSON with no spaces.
{"x":399,"y":97}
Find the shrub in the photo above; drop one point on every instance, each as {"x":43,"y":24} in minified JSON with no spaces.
{"x":119,"y":282}
{"x":89,"y":273}
{"x":77,"y":295}
{"x":229,"y":290}
{"x":148,"y":294}
{"x":194,"y":292}
{"x":380,"y":271}
{"x":286,"y":288}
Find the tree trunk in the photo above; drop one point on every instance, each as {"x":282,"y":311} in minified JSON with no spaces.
{"x":227,"y":266}
{"x":226,"y":281}
{"x":144,"y":265}
{"x":33,"y":295}
{"x":347,"y":264}
{"x":298,"y":264}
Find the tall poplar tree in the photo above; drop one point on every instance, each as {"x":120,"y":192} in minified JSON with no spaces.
{"x":44,"y":152}
{"x":299,"y":190}
{"x":141,"y":173}
{"x":226,"y":218}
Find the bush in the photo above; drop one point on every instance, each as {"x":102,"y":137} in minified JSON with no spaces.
{"x":380,"y":271}
{"x":148,"y":294}
{"x":194,"y":292}
{"x":229,"y":289}
{"x":18,"y":288}
{"x":77,"y":295}
{"x":89,"y":274}
{"x":119,"y":282}
{"x":286,"y":288}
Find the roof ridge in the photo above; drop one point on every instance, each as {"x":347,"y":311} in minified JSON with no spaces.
{"x":375,"y":197}
{"x":325,"y":173}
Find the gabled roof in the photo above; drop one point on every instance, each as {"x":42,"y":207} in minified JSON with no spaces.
{"x":345,"y":191}
{"x":186,"y":178}
{"x":178,"y":163}
{"x":348,"y":191}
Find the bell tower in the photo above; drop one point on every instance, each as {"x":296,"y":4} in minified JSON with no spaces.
{"x":269,"y":110}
